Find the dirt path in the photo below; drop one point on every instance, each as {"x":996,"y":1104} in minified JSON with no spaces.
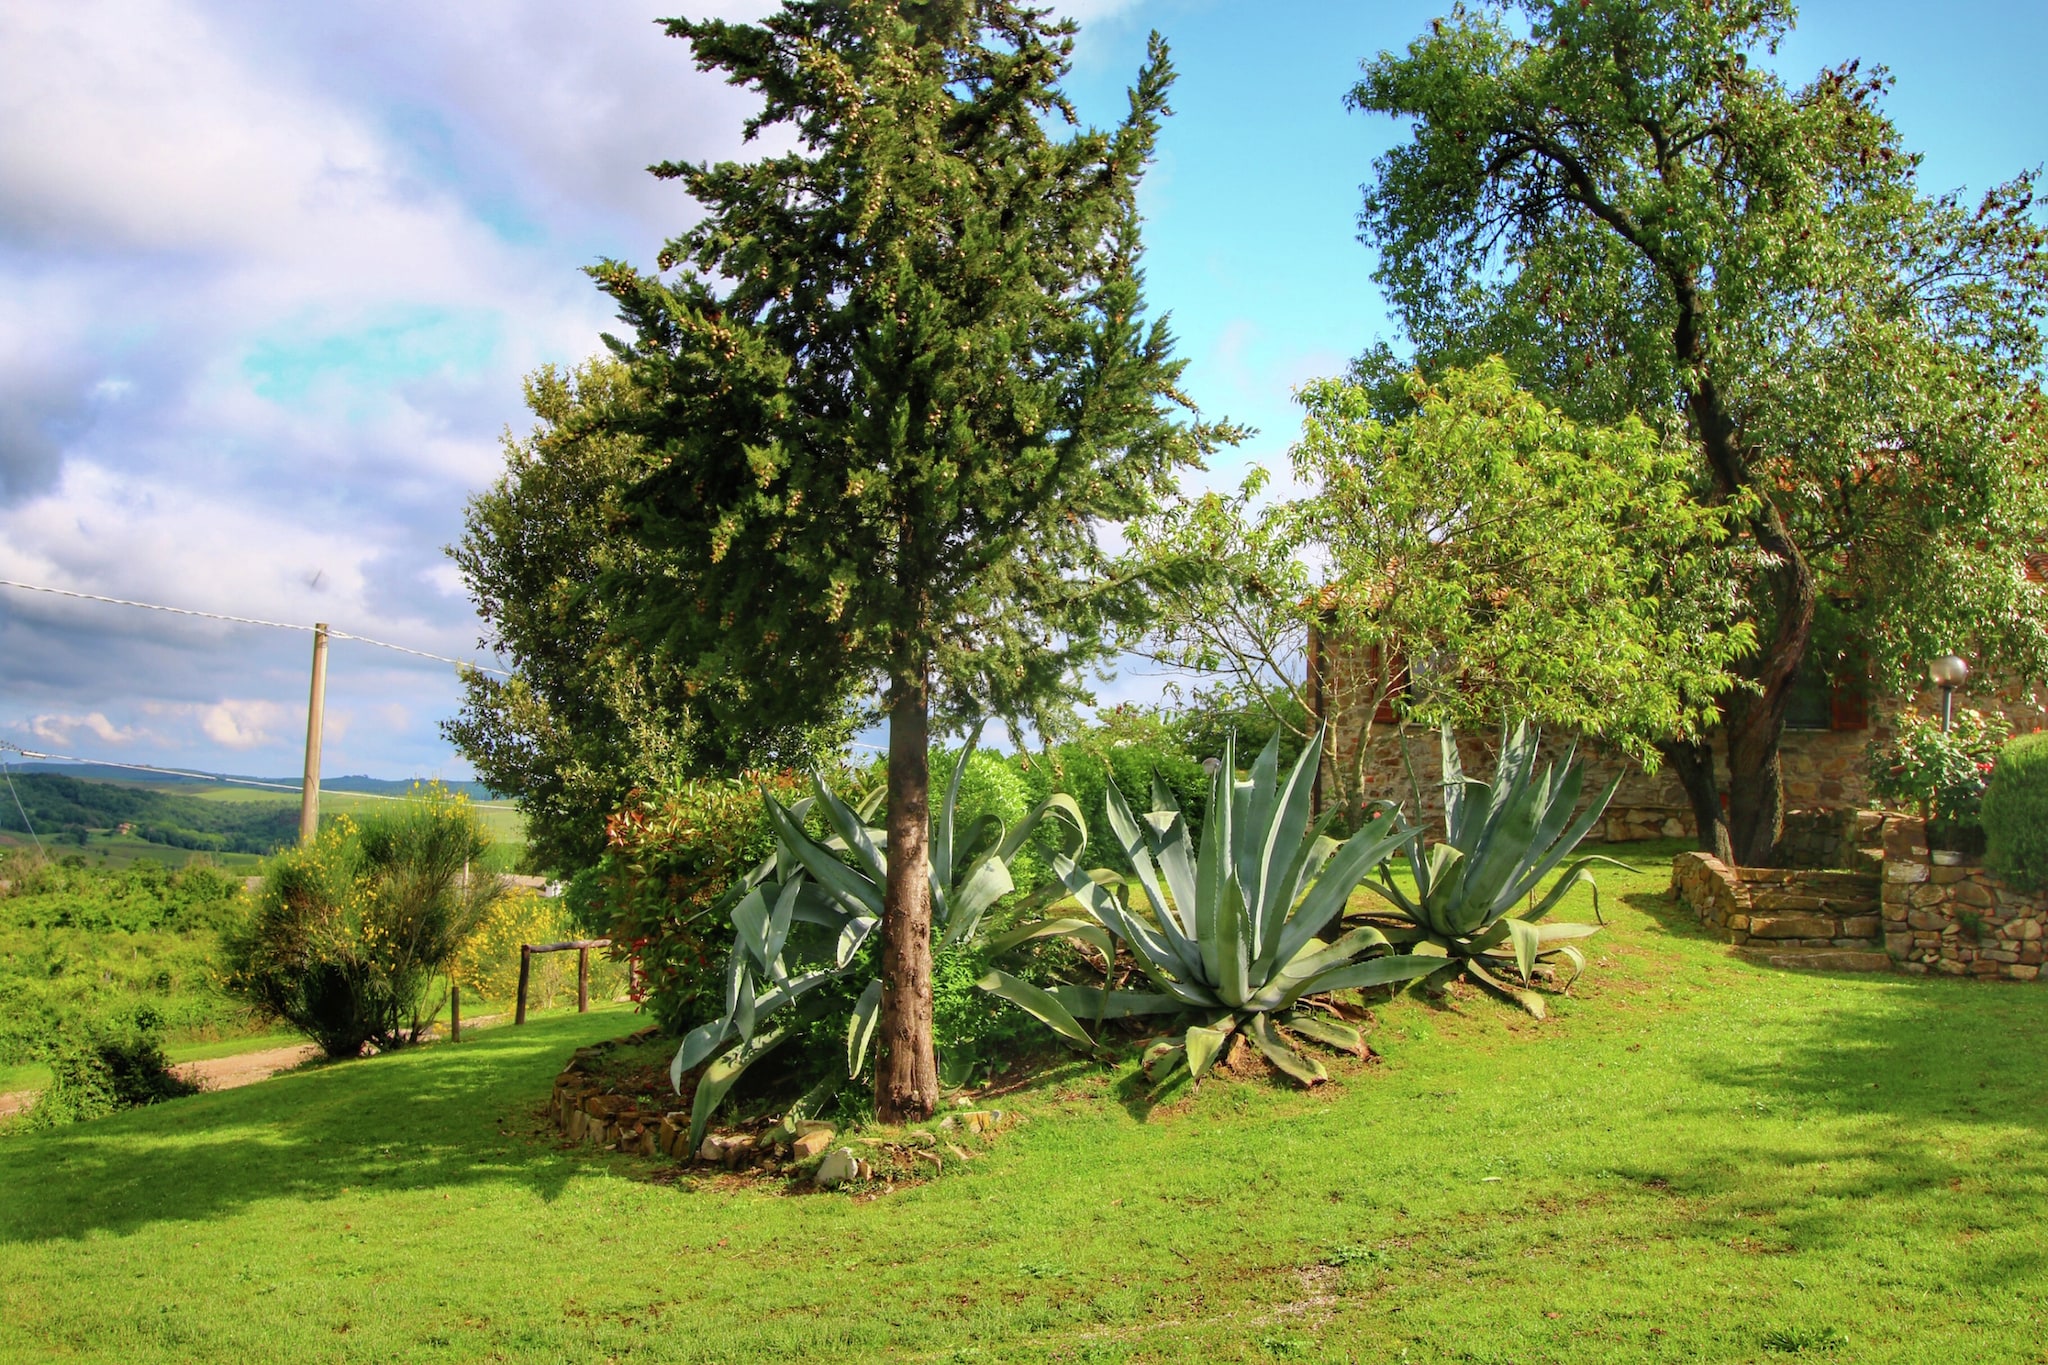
{"x":244,"y":1068}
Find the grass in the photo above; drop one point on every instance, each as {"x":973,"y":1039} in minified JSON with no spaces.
{"x":1693,"y":1159}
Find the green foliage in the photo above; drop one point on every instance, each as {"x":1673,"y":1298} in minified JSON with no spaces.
{"x":1228,"y":936}
{"x":583,"y":723}
{"x":671,"y":856}
{"x":2015,"y":812}
{"x":883,"y":435}
{"x":1625,"y":201}
{"x":80,"y":943}
{"x":108,"y":1063}
{"x":1485,"y":553}
{"x":350,"y":935}
{"x":1502,"y":839}
{"x":73,"y":807}
{"x":803,"y":919}
{"x":1944,"y":775}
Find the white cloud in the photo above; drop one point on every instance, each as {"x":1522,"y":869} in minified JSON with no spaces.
{"x":248,"y":723}
{"x":61,"y":730}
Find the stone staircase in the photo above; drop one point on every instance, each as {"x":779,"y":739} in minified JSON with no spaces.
{"x":1788,"y":917}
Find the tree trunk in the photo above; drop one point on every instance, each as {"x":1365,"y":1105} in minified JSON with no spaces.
{"x":1756,"y":720}
{"x":1693,"y":762}
{"x":907,"y":1078}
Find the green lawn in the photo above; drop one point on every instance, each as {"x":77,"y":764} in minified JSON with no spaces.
{"x":1694,"y":1159}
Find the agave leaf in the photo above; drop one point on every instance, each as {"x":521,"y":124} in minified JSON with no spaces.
{"x":979,"y":843}
{"x":743,"y":1011}
{"x":750,"y":918}
{"x":1040,"y":1004}
{"x":1038,"y":929}
{"x":848,"y":826}
{"x":1354,"y":859}
{"x":851,"y":935}
{"x":1205,"y":1044}
{"x":1526,"y":946}
{"x":1175,"y":851}
{"x":1501,"y":852}
{"x":1307,"y":1070}
{"x":942,"y":828}
{"x":987,"y":882}
{"x":1105,"y":1005}
{"x":1233,"y":945}
{"x":1563,"y":847}
{"x":1329,"y":1032}
{"x":697,"y":1044}
{"x":724,"y":1073}
{"x":1578,"y":961}
{"x":858,"y":894}
{"x":1134,"y":846}
{"x":1527,"y":999}
{"x":1060,"y":804}
{"x":1378,"y":971}
{"x":1163,"y":1060}
{"x":778,"y":928}
{"x":1212,"y":868}
{"x":1572,"y":876}
{"x":1153,"y":955}
{"x":1547,"y":934}
{"x":1162,"y":796}
{"x":860,"y":1030}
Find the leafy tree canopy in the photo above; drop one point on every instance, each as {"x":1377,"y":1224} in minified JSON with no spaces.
{"x":582,"y":721}
{"x":1483,"y":555}
{"x":1643,"y":221}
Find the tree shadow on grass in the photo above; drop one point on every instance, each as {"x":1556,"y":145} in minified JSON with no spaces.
{"x":433,"y":1118}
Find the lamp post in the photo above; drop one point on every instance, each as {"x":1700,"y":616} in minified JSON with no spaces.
{"x":1210,"y":765}
{"x":1948,"y":673}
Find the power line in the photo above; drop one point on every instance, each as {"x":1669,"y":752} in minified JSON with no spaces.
{"x":208,"y":777}
{"x":26,"y":823}
{"x":251,"y":621}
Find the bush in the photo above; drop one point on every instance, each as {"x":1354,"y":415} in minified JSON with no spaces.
{"x":1942,"y":774}
{"x":350,"y":935}
{"x":487,"y":964}
{"x":2015,"y":812}
{"x":670,"y":854}
{"x":102,"y":1065}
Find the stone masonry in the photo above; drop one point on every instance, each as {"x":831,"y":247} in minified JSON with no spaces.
{"x":1790,"y":917}
{"x":1960,"y":920}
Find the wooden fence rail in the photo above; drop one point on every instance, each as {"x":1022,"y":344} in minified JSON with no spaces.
{"x":582,"y":947}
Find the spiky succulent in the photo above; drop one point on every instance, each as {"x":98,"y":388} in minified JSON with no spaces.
{"x":1229,"y":935}
{"x":1475,"y":900}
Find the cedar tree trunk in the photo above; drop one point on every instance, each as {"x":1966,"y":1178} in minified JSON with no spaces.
{"x":907,"y":1079}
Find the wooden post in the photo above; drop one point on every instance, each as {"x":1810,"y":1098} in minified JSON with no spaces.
{"x":583,"y":980}
{"x":454,"y":1013}
{"x":525,"y":966}
{"x":316,"y":705}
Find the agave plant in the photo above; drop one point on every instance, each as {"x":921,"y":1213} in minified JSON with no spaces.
{"x":1228,"y":935}
{"x":1475,"y":900}
{"x":836,"y":886}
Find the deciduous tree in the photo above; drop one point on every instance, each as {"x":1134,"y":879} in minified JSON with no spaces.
{"x":1624,"y":203}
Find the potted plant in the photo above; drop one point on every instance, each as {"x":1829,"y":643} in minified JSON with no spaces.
{"x":1942,"y":773}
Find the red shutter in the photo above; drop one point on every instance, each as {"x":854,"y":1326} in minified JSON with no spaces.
{"x":1847,"y":708}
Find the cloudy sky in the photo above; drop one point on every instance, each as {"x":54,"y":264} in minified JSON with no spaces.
{"x":270,"y":275}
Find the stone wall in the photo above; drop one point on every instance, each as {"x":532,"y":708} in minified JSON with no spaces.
{"x":1959,"y":920}
{"x":1808,"y":917}
{"x":1823,"y":769}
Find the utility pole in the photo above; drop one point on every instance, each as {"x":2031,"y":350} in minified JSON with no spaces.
{"x":309,"y":796}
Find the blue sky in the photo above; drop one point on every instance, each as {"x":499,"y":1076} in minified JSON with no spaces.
{"x":270,"y":276}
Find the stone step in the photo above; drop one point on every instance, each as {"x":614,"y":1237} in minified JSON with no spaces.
{"x":1871,"y":959}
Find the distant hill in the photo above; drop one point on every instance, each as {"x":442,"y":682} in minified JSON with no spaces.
{"x":381,"y":786}
{"x":64,"y":808}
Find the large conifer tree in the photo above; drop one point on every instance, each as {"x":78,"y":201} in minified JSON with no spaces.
{"x":898,"y":382}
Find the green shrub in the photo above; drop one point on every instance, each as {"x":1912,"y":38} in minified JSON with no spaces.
{"x":1942,"y":774}
{"x":87,"y":942}
{"x":100,"y":1065}
{"x":351,"y":935}
{"x":670,"y":854}
{"x":2015,"y":812}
